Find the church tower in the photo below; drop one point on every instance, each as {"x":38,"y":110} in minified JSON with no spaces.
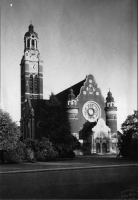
{"x":31,"y":69}
{"x":31,"y":84}
{"x":111,"y":113}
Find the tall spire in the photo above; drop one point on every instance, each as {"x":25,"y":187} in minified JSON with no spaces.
{"x":31,"y":27}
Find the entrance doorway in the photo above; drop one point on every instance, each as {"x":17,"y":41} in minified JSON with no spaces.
{"x":101,"y":147}
{"x":98,"y":149}
{"x":104,"y":147}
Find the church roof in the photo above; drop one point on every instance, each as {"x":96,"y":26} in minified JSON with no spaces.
{"x":63,"y":96}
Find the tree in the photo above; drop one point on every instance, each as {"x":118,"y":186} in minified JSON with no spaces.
{"x":11,"y":148}
{"x":131,"y":124}
{"x":56,"y":126}
{"x":9,"y":132}
{"x":129,"y":140}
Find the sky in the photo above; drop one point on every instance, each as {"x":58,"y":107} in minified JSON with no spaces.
{"x":76,"y":38}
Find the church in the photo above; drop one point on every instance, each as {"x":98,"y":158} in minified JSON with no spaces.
{"x":93,"y":120}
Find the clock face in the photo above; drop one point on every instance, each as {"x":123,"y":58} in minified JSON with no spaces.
{"x":34,"y":67}
{"x":91,"y":111}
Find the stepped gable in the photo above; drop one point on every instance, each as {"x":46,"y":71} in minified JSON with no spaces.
{"x":90,"y":91}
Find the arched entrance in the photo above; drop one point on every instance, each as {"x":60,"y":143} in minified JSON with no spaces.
{"x":104,"y":147}
{"x":101,"y":137}
{"x":101,"y":147}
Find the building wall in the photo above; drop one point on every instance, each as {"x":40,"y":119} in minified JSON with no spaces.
{"x":88,"y":96}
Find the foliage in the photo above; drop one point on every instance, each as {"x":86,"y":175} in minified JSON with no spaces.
{"x":9,"y":132}
{"x":55,"y":120}
{"x":130,"y":124}
{"x":58,"y":141}
{"x":16,"y":155}
{"x":64,"y":151}
{"x":12,"y":150}
{"x":30,"y":149}
{"x":56,"y":126}
{"x":30,"y":143}
{"x":129,"y":141}
{"x":133,"y":149}
{"x":29,"y":155}
{"x":45,"y":150}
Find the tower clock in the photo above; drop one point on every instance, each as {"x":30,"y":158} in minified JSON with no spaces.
{"x":33,"y":68}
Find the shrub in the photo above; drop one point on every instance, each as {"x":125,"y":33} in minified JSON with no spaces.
{"x":29,"y":155}
{"x":46,"y":155}
{"x":71,"y":154}
{"x":30,"y":150}
{"x":45,"y":150}
{"x":29,"y":143}
{"x":64,"y":151}
{"x":3,"y":156}
{"x":133,"y":149}
{"x":16,"y":155}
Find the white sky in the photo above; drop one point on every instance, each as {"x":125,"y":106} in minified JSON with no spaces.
{"x":76,"y":38}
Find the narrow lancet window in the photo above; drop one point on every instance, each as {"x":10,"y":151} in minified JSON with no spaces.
{"x":31,"y":84}
{"x":28,"y":43}
{"x":36,"y":84}
{"x":33,"y":44}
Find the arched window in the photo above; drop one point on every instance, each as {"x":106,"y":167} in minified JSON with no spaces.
{"x":31,"y":84}
{"x":28,"y":43}
{"x":33,"y":44}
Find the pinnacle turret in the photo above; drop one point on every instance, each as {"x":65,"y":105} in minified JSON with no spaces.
{"x":71,"y":95}
{"x":31,"y":32}
{"x":30,"y":39}
{"x":111,"y":113}
{"x":109,"y":97}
